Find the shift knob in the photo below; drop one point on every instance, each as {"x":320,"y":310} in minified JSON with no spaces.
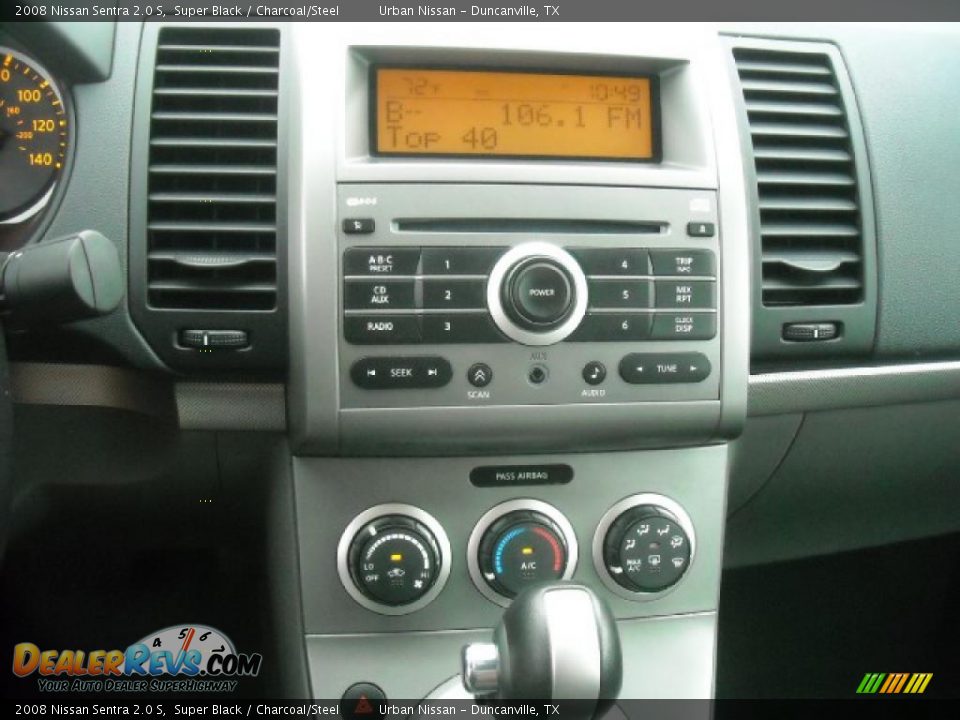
{"x":555,"y":641}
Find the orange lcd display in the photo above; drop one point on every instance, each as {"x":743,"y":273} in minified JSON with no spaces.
{"x":514,"y":114}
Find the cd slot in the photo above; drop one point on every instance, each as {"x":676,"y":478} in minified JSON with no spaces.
{"x":528,"y":225}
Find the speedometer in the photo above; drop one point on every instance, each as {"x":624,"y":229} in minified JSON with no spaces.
{"x":33,"y":137}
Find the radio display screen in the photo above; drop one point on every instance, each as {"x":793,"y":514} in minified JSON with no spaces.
{"x":487,"y":114}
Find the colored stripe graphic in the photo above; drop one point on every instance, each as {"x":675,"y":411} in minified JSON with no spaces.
{"x":870,"y":683}
{"x":890,"y":679}
{"x":894,"y":683}
{"x":903,"y":680}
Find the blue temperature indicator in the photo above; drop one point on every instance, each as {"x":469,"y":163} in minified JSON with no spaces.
{"x":501,"y":546}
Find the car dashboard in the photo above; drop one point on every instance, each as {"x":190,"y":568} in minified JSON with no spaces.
{"x":445,"y":311}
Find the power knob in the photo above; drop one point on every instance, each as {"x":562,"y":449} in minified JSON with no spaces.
{"x":537,"y":293}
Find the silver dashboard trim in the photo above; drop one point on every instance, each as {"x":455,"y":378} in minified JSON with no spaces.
{"x":574,"y":644}
{"x":864,"y":386}
{"x":261,"y":406}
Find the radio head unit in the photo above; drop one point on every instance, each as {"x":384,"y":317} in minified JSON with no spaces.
{"x":460,"y":295}
{"x":544,"y":290}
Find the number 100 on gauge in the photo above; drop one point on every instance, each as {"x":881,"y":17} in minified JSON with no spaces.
{"x":514,"y":114}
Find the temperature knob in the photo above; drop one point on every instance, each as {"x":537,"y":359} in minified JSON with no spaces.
{"x":394,"y":560}
{"x":646,"y":549}
{"x":522,"y":548}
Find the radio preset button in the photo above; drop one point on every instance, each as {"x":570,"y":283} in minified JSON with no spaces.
{"x":612,"y":261}
{"x":460,"y":328}
{"x":381,"y":329}
{"x":613,"y":327}
{"x":458,"y":294}
{"x":397,"y":373}
{"x":684,"y":326}
{"x":663,"y":368}
{"x":459,"y":260}
{"x":539,"y":293}
{"x":699,"y":294}
{"x":378,"y":294}
{"x":381,"y":261}
{"x":620,"y":294}
{"x":682,"y":262}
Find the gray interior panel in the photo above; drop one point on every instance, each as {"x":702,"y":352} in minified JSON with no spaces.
{"x":853,"y":479}
{"x":757,"y":453}
{"x":653,"y":650}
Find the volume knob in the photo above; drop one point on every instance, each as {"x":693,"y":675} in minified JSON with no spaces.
{"x":537,"y":293}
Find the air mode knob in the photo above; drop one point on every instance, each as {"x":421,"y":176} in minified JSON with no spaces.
{"x":646,"y":549}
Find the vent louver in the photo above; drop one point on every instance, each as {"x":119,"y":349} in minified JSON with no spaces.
{"x":810,"y":213}
{"x":212,"y":176}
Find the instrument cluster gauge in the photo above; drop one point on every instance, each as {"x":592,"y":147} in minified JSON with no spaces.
{"x":34,"y":137}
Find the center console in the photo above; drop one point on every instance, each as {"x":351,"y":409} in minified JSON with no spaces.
{"x":519,"y":274}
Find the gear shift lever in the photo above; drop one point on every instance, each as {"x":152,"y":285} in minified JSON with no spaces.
{"x":555,"y":641}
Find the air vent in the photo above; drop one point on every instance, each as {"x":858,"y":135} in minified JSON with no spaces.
{"x":212,"y":176}
{"x":812,"y":240}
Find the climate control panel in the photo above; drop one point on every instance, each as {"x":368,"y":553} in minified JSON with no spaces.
{"x":395,"y":559}
{"x":487,"y":295}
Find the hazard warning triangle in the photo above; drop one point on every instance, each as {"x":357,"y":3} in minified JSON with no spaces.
{"x":363,"y":706}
